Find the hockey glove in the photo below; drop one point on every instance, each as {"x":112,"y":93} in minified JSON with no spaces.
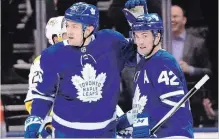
{"x":133,"y":9}
{"x":125,"y":133}
{"x":124,"y":121}
{"x":32,"y":125}
{"x":141,"y":127}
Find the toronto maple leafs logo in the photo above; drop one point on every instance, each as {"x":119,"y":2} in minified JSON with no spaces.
{"x":92,"y":11}
{"x":138,"y":102}
{"x":155,"y":17}
{"x":89,"y":86}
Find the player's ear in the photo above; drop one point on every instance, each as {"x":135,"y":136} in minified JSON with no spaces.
{"x":88,"y":30}
{"x":157,"y":39}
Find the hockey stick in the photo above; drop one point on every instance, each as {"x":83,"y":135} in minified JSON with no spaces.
{"x":177,"y":106}
{"x":119,"y":111}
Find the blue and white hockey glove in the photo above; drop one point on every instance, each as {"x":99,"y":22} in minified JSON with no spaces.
{"x":141,"y":127}
{"x":133,"y":3}
{"x":125,"y":133}
{"x":32,"y":125}
{"x":124,"y":121}
{"x":133,"y":9}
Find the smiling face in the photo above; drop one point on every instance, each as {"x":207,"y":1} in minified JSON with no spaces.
{"x":178,"y":20}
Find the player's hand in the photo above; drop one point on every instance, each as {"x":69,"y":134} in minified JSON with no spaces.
{"x":125,"y":133}
{"x":47,"y":131}
{"x":141,"y":127}
{"x":133,"y":9}
{"x":124,"y":121}
{"x":134,"y":3}
{"x":185,"y":67}
{"x":208,"y":108}
{"x":32,"y":125}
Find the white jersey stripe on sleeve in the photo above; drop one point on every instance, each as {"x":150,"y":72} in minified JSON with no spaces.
{"x":171,"y":94}
{"x":30,"y":96}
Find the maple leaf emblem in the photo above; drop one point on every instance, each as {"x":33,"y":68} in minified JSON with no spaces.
{"x":92,"y":11}
{"x":89,"y":86}
{"x":139,"y":102}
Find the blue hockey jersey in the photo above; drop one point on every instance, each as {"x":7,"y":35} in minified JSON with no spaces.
{"x":88,"y":87}
{"x":159,"y":84}
{"x":34,"y":77}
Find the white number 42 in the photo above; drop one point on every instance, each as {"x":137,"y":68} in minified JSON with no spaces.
{"x":164,"y":77}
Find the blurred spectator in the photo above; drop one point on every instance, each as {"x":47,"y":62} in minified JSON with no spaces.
{"x":211,"y":113}
{"x":192,"y":55}
{"x":194,"y":12}
{"x":10,"y":19}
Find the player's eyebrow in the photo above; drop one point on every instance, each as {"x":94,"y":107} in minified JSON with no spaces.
{"x":144,"y":33}
{"x":72,"y":24}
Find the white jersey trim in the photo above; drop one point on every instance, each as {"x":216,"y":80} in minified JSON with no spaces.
{"x":43,"y":97}
{"x":171,"y":94}
{"x":31,"y":96}
{"x":65,"y":42}
{"x":83,"y":126}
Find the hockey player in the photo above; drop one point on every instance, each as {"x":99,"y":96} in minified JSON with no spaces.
{"x":81,"y":79}
{"x":55,"y":28}
{"x":159,"y":84}
{"x":55,"y":32}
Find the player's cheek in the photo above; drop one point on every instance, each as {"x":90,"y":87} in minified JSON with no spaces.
{"x":140,"y":50}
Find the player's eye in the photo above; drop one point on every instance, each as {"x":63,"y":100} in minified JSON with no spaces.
{"x":74,"y":26}
{"x":145,"y":36}
{"x":136,"y":36}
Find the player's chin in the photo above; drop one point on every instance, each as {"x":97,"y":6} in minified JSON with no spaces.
{"x":143,"y":51}
{"x":73,"y":42}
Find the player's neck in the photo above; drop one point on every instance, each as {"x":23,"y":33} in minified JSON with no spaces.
{"x":88,"y":40}
{"x":157,"y":48}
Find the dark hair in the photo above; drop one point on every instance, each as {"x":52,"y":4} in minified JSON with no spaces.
{"x":54,"y":35}
{"x":183,"y":10}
